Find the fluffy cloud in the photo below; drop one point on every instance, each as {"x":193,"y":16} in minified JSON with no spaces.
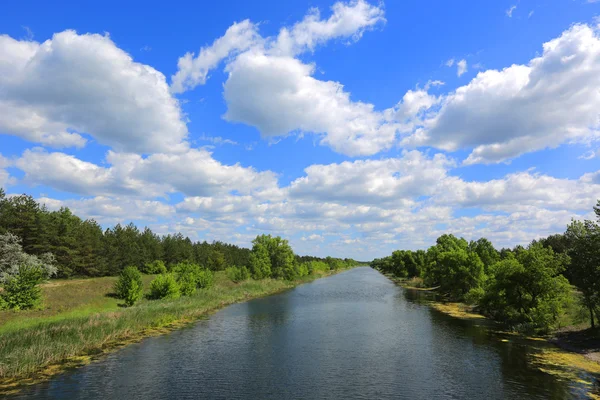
{"x":348,"y":20}
{"x":5,"y":178}
{"x":270,"y":89}
{"x":501,"y":114}
{"x":112,"y":210}
{"x":393,"y":180}
{"x":194,"y":173}
{"x":278,"y":94}
{"x":391,"y":203}
{"x":56,"y":91}
{"x":193,"y":71}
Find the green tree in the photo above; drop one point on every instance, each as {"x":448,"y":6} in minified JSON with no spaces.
{"x":216,"y":260}
{"x":526,"y":290}
{"x":21,"y":291}
{"x":454,"y":270}
{"x":129,"y":287}
{"x":486,"y":252}
{"x":260,"y":262}
{"x":584,"y":240}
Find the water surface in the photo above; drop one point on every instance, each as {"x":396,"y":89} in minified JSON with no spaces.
{"x":354,"y":335}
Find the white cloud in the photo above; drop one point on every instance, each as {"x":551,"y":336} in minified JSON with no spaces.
{"x":193,"y":71}
{"x":278,"y":94}
{"x":56,"y":91}
{"x":461,"y":67}
{"x":373,"y":182}
{"x":194,"y":173}
{"x":450,"y":62}
{"x":5,"y":178}
{"x":271,"y":90}
{"x":501,"y":114}
{"x":510,"y":11}
{"x":112,"y":210}
{"x":348,"y":20}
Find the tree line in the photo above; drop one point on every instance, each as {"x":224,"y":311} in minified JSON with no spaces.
{"x":37,"y":244}
{"x":526,"y":287}
{"x":82,"y":248}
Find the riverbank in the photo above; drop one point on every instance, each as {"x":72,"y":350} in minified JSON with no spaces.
{"x":36,"y":348}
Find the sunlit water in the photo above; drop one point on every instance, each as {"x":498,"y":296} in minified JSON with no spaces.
{"x":354,"y":335}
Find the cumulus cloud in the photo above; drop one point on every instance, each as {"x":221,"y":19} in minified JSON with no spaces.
{"x":193,"y":71}
{"x":5,"y":178}
{"x":393,"y":180}
{"x":553,"y":99}
{"x":112,"y":210}
{"x":73,"y":85}
{"x":272,"y":90}
{"x":194,"y":173}
{"x":347,"y":20}
{"x":406,"y":201}
{"x":278,"y":94}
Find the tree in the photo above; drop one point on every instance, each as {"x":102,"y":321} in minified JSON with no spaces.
{"x":280,"y":253}
{"x":260,"y":262}
{"x":525,"y":289}
{"x":129,"y":286}
{"x":584,"y":240}
{"x":12,"y":258}
{"x":486,"y":252}
{"x":454,"y":270}
{"x":216,"y":260}
{"x":21,"y":291}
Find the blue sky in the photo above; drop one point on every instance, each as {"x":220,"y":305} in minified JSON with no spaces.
{"x":351,"y":128}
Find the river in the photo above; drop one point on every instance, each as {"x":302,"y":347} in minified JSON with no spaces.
{"x":354,"y":335}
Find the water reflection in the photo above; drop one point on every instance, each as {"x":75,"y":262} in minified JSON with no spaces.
{"x":355,"y":335}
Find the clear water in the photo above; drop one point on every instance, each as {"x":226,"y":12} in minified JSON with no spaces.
{"x":354,"y":335}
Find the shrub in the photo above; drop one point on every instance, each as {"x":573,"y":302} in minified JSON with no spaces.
{"x":129,"y":287}
{"x":302,"y":269}
{"x":187,"y":282}
{"x":238,"y":274}
{"x":21,"y":291}
{"x":205,"y":279}
{"x":154,"y":267}
{"x":164,"y":286}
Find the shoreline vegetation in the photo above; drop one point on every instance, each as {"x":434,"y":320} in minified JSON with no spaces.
{"x":562,"y":353}
{"x":546,"y":293}
{"x":36,"y":348}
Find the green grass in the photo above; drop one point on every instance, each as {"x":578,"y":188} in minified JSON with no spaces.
{"x":80,"y":320}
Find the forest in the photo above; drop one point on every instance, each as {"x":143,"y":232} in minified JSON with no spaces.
{"x":526,"y":288}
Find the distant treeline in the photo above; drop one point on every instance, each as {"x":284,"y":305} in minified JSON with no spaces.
{"x":527,"y":288}
{"x":82,"y":248}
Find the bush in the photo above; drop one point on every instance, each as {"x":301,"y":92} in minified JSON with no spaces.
{"x":164,"y":286}
{"x":21,"y":291}
{"x":129,"y":287}
{"x":205,"y":279}
{"x":187,"y":282}
{"x":154,"y":267}
{"x":238,"y":274}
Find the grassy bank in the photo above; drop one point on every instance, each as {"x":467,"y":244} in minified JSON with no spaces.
{"x":81,"y":321}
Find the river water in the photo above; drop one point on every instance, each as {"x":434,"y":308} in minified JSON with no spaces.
{"x":354,"y":335}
